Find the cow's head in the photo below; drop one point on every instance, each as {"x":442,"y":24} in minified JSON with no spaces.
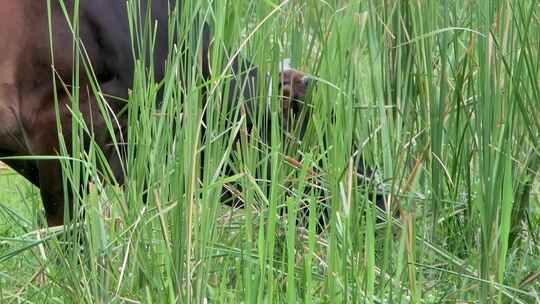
{"x":293,"y":88}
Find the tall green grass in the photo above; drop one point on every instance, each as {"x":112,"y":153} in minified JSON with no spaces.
{"x":442,"y":98}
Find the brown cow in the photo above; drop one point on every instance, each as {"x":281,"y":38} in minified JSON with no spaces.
{"x":27,"y":87}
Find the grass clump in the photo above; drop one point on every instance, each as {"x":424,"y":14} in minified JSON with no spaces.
{"x":440,"y":98}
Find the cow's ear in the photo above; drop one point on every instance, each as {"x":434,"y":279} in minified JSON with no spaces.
{"x":285,"y":65}
{"x":307,"y":80}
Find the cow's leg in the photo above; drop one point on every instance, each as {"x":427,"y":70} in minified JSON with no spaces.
{"x":52,"y":194}
{"x":43,"y":142}
{"x":116,"y":155}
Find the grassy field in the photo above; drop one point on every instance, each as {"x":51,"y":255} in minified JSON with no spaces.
{"x":18,"y":199}
{"x":442,"y":98}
